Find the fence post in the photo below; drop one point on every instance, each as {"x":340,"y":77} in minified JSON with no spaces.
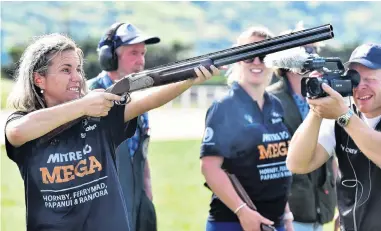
{"x":202,"y":96}
{"x":185,"y":99}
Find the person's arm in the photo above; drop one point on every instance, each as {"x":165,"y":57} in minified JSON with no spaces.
{"x":40,"y":122}
{"x":366,"y":138}
{"x":288,"y":218}
{"x":336,"y":225}
{"x":333,"y":106}
{"x":152,"y":98}
{"x":305,"y":154}
{"x":214,"y":148}
{"x":335,"y":168}
{"x":220,"y":184}
{"x":147,"y":181}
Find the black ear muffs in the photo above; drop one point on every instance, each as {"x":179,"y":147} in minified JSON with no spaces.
{"x":107,"y":57}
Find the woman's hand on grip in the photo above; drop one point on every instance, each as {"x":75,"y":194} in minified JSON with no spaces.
{"x":98,"y":103}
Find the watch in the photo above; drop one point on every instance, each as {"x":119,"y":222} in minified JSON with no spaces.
{"x":343,"y":120}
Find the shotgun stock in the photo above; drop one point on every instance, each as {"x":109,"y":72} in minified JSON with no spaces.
{"x":243,"y":194}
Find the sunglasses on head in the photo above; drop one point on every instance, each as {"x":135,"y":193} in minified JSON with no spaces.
{"x":261,"y":58}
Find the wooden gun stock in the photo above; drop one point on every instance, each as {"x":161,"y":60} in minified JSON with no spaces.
{"x":243,"y":194}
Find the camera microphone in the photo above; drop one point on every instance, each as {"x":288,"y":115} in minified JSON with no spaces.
{"x":293,"y":59}
{"x":297,"y":60}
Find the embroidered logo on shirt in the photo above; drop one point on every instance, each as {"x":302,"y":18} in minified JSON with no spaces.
{"x":208,"y":134}
{"x":277,"y":120}
{"x":277,"y":117}
{"x":248,"y":118}
{"x":275,"y":114}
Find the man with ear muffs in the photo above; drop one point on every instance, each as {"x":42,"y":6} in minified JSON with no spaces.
{"x":122,"y":52}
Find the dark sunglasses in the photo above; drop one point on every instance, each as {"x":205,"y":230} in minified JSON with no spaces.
{"x":261,"y":58}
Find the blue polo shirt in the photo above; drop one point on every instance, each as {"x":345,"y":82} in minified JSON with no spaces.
{"x":254,"y":146}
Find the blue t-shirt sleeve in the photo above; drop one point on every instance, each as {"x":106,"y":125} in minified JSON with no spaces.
{"x":215,"y":138}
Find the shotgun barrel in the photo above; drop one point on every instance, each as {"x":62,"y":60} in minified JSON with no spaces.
{"x":182,"y":70}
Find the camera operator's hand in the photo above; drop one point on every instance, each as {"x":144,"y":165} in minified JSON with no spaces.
{"x":329,"y":107}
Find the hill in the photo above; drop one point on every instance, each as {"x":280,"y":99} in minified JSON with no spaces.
{"x":208,"y":26}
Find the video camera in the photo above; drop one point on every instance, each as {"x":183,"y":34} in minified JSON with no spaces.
{"x":340,"y":80}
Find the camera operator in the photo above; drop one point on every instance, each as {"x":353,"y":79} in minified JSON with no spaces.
{"x":353,"y":134}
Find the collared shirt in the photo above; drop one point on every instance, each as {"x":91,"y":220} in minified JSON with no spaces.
{"x":253,"y":143}
{"x":104,"y":81}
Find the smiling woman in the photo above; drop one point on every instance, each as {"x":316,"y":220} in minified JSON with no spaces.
{"x":64,"y":80}
{"x":252,"y":70}
{"x":71,"y":179}
{"x":57,"y":52}
{"x":256,"y":156}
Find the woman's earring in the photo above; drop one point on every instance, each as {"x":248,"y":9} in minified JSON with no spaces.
{"x":42,"y":91}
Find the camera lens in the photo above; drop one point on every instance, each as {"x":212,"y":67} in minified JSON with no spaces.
{"x":314,"y":87}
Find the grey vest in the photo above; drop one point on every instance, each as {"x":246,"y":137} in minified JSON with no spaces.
{"x":312,"y":197}
{"x":131,"y":176}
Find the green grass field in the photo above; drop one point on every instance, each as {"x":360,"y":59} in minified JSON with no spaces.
{"x":181,"y":200}
{"x":5,"y":87}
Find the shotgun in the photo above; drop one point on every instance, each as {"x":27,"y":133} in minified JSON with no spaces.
{"x":184,"y":69}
